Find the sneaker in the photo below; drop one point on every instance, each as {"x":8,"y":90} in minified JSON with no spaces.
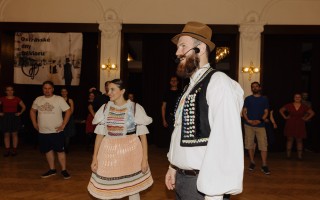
{"x":252,"y":166}
{"x":65,"y":174}
{"x":265,"y":170}
{"x":49,"y":173}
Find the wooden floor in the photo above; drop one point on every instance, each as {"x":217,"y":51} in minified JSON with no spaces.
{"x":20,"y":177}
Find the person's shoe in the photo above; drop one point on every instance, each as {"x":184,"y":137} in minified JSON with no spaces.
{"x":14,"y":153}
{"x":252,"y":166}
{"x":265,"y":170}
{"x":6,"y":153}
{"x":308,"y":150}
{"x":49,"y":173}
{"x":65,"y":174}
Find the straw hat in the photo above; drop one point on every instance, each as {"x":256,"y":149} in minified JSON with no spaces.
{"x":198,"y":31}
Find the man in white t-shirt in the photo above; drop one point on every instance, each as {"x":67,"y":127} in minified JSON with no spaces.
{"x":46,"y":117}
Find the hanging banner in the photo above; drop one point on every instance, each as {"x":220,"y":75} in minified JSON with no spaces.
{"x":39,"y":57}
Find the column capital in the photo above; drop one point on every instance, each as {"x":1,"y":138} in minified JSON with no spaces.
{"x":252,"y":27}
{"x":111,"y":26}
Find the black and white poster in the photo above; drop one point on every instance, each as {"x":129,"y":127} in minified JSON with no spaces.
{"x":39,"y":57}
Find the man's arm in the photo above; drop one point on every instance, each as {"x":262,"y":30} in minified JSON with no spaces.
{"x":245,"y":116}
{"x":163,"y":114}
{"x":65,"y":120}
{"x":274,"y":124}
{"x":33,"y":117}
{"x":223,"y":164}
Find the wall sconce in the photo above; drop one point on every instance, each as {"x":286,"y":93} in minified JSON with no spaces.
{"x":109,"y":66}
{"x":251,"y":70}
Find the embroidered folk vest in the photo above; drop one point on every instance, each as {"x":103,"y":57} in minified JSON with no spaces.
{"x":195,"y":128}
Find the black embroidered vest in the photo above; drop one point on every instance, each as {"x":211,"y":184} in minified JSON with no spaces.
{"x":195,"y":128}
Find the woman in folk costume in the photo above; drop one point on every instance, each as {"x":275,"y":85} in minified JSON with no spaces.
{"x":120,"y":160}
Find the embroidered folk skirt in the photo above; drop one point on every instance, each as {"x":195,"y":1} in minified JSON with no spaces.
{"x":119,"y":169}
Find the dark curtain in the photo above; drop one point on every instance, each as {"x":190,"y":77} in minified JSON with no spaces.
{"x":282,"y":76}
{"x":315,"y":96}
{"x":158,"y":66}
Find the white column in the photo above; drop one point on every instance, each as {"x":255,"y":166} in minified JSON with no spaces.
{"x":110,"y":45}
{"x":249,"y":49}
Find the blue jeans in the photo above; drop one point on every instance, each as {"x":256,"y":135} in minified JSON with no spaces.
{"x":186,"y":188}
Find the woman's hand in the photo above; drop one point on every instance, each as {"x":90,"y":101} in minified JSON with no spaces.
{"x":305,"y":119}
{"x":144,"y":166}
{"x":94,"y":165}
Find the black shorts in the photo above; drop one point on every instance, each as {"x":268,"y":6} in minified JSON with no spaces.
{"x":51,"y":141}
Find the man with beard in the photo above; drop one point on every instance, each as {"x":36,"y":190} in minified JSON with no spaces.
{"x":206,"y":150}
{"x":255,"y":112}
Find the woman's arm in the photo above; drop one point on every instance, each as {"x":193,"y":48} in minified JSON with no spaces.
{"x":144,"y":164}
{"x":94,"y":164}
{"x":91,"y":111}
{"x":71,"y":105}
{"x":310,"y":114}
{"x":23,"y":108}
{"x":281,"y":111}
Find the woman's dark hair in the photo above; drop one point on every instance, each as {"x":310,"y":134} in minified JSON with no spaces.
{"x":7,"y":86}
{"x":64,"y":88}
{"x":119,"y":83}
{"x":121,"y":86}
{"x":297,"y":93}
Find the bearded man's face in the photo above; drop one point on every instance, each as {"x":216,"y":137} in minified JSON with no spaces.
{"x":188,"y":66}
{"x":189,"y":60}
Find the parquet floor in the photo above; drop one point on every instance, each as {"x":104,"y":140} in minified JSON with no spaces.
{"x":20,"y":177}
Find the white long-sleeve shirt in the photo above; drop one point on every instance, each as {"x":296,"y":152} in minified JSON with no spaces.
{"x":221,"y":161}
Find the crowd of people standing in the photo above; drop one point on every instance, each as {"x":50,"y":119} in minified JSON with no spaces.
{"x":203,"y":122}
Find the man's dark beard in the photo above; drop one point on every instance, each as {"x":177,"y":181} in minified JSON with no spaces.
{"x":255,"y":91}
{"x":188,"y":68}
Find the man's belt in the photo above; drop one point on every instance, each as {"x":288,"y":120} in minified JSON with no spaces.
{"x":192,"y":172}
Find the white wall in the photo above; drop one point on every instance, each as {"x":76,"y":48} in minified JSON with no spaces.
{"x":250,"y":15}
